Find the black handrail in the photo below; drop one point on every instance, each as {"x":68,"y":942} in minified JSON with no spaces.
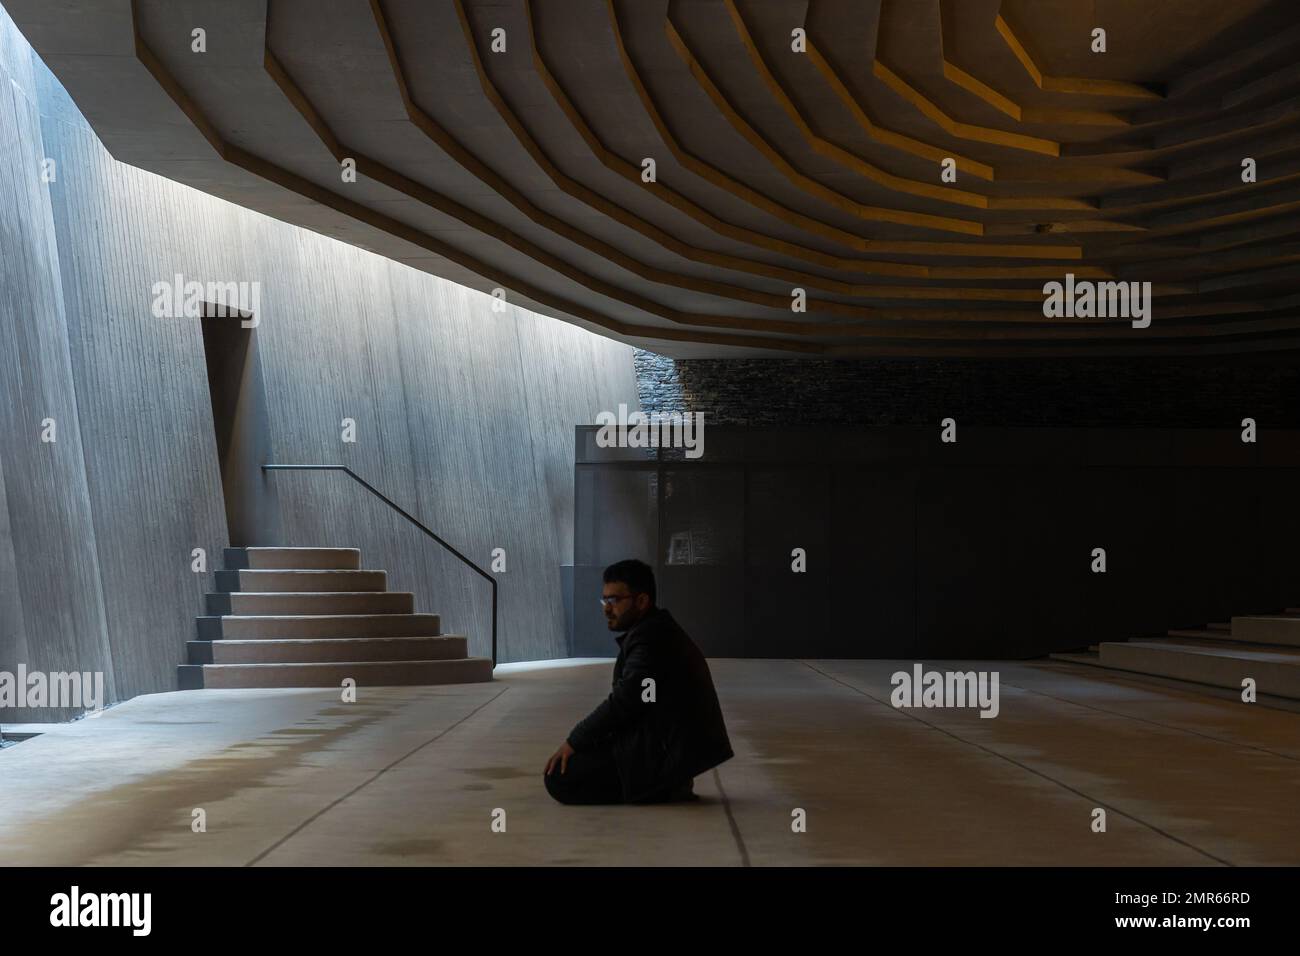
{"x":388,"y":501}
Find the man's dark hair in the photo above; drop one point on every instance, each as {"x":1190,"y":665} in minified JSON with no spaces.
{"x":637,"y":575}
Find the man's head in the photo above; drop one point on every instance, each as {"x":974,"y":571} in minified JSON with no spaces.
{"x":629,"y":594}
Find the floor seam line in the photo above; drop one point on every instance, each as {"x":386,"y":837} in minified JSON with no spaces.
{"x":1014,"y":762}
{"x":365,"y":783}
{"x":731,"y":820}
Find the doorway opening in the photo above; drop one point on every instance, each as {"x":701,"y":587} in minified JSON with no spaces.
{"x":240,"y":422}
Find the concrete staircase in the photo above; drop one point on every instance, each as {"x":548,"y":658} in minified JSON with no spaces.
{"x":1264,"y":647}
{"x":311,"y":617}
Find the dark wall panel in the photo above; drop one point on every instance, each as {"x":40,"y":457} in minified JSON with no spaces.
{"x":872,"y":556}
{"x":979,"y":549}
{"x":784,"y":510}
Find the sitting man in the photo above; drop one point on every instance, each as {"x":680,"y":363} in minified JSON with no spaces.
{"x":661,"y":724}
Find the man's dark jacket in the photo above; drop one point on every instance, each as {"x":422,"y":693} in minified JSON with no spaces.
{"x":662,"y":743}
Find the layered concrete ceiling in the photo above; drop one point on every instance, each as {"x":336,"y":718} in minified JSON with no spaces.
{"x":776,"y":169}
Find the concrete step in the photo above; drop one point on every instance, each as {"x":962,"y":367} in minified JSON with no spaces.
{"x":1220,"y":626}
{"x":1196,"y":636}
{"x":310,"y":626}
{"x":1208,"y":637}
{"x":329,"y":650}
{"x":297,"y":581}
{"x":366,"y":673}
{"x":1275,"y":670}
{"x":1211,"y":642}
{"x":1273,"y":629}
{"x":312,"y":602}
{"x":294,"y":559}
{"x":1074,"y":657}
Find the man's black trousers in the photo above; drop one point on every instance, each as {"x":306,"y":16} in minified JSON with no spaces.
{"x":592,"y":777}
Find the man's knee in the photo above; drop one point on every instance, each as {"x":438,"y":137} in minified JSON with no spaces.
{"x":555,"y":786}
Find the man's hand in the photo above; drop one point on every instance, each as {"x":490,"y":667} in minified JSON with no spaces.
{"x":560,"y":757}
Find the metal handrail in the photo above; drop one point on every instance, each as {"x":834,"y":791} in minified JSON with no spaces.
{"x":401,"y":511}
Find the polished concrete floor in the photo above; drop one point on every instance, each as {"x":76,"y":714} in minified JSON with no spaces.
{"x":452,"y":775}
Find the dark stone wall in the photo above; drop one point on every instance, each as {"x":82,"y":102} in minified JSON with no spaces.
{"x":1202,"y":393}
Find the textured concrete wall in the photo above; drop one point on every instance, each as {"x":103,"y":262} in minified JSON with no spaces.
{"x":52,"y":611}
{"x":1124,"y":393}
{"x":464,"y":416}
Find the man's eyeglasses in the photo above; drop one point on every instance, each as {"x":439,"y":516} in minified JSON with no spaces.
{"x":607,"y":601}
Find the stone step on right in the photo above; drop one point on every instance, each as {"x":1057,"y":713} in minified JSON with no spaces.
{"x":307,"y":626}
{"x":1268,"y":629}
{"x":329,"y":650}
{"x":466,"y":670}
{"x":293,"y":559}
{"x":1211,"y":642}
{"x":1275,"y":670}
{"x":311,"y":602}
{"x":245,"y":580}
{"x":1198,"y":635}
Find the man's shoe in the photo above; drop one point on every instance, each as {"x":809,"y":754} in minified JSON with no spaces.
{"x":685,"y":791}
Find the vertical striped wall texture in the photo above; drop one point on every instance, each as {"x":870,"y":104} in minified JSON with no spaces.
{"x":464,"y":416}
